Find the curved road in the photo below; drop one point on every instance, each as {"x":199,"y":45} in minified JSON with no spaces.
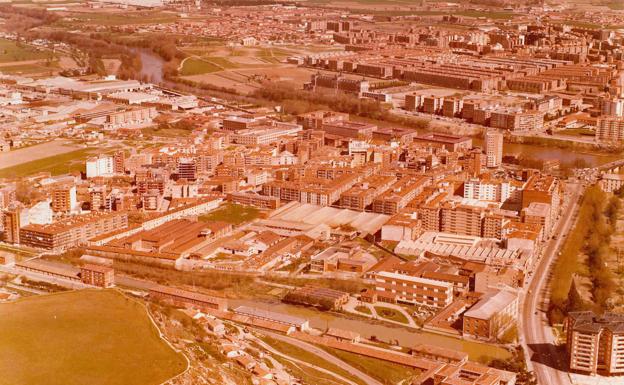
{"x":537,"y":338}
{"x":325,"y":356}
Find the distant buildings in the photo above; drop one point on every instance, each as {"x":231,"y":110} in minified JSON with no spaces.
{"x":337,"y":84}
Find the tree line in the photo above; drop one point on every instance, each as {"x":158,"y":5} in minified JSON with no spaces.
{"x":591,"y":236}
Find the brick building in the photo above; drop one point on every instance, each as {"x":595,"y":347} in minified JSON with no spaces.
{"x":97,"y":275}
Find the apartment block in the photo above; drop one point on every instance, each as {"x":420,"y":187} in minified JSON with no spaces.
{"x":71,"y":232}
{"x":100,"y":166}
{"x":610,"y":129}
{"x":493,"y":142}
{"x":360,"y":196}
{"x":317,"y":119}
{"x":396,"y":287}
{"x":543,"y":189}
{"x":96,"y":275}
{"x":488,"y":190}
{"x":399,"y":195}
{"x":64,"y":199}
{"x":595,"y":344}
{"x":461,"y":219}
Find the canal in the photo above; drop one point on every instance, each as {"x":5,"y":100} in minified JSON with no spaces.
{"x":383,"y":332}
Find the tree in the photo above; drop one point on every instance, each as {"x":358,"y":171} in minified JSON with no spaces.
{"x":574,"y":302}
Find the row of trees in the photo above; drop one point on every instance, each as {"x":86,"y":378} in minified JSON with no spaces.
{"x":591,"y":236}
{"x":98,"y":49}
{"x":20,"y":19}
{"x":297,"y":101}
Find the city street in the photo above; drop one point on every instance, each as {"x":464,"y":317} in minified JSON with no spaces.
{"x":546,"y":360}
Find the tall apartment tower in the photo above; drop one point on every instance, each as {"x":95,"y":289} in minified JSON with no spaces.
{"x":119,"y":159}
{"x":493,"y":148}
{"x":187,"y":169}
{"x":11,"y":223}
{"x":595,"y":344}
{"x":64,"y":199}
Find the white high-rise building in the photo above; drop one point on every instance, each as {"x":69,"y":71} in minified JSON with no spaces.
{"x":100,"y":166}
{"x":493,"y":148}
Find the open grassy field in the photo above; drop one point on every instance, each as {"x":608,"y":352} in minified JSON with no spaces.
{"x":386,"y":372}
{"x":96,"y":337}
{"x":193,"y":66}
{"x":232,"y":213}
{"x":303,"y":355}
{"x":58,"y":164}
{"x":10,"y":51}
{"x":121,"y":17}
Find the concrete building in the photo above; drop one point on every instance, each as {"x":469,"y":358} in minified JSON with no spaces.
{"x":102,"y":165}
{"x":611,"y":182}
{"x":493,"y":142}
{"x":610,"y":129}
{"x":64,"y":199}
{"x":395,"y":287}
{"x":96,"y":275}
{"x":595,"y":344}
{"x":492,"y":315}
{"x":71,"y":232}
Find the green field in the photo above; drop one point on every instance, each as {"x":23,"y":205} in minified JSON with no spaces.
{"x":194,"y":66}
{"x":306,"y":356}
{"x":384,"y":371}
{"x":232,"y":213}
{"x":95,"y":337}
{"x":58,"y":164}
{"x":136,"y":18}
{"x":391,"y":314}
{"x":29,"y":69}
{"x":10,"y":51}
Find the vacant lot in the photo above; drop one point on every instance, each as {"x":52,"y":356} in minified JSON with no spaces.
{"x":39,"y":151}
{"x":232,"y":213}
{"x":58,"y":164}
{"x":96,"y":337}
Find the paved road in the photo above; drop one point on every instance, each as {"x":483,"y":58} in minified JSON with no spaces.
{"x":537,"y":338}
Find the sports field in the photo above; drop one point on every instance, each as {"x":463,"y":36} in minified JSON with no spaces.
{"x":95,"y":337}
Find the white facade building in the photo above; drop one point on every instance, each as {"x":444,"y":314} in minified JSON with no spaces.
{"x":100,"y":166}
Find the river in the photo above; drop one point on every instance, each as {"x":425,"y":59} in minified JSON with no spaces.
{"x":151,"y":65}
{"x":383,"y":332}
{"x":565,"y":156}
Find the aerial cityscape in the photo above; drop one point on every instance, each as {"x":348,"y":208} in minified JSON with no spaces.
{"x":311,"y":192}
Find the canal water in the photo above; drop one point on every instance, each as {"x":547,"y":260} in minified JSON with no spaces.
{"x":383,"y":332}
